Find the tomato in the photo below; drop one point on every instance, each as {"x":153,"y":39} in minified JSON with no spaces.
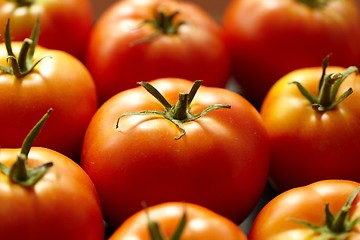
{"x":59,"y":81}
{"x":309,"y":143}
{"x":193,"y":221}
{"x":45,"y":195}
{"x":141,"y":40}
{"x":219,"y":161}
{"x":269,"y":39}
{"x":300,"y":213}
{"x":65,"y":24}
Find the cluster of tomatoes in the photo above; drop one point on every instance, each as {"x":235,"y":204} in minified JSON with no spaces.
{"x":127,"y":127}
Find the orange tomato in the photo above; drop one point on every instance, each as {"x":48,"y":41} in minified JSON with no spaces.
{"x":200,"y":223}
{"x":284,"y":217}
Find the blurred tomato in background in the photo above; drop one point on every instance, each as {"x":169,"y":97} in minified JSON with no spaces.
{"x":137,"y":40}
{"x":268,"y":39}
{"x":65,"y":24}
{"x":214,"y":7}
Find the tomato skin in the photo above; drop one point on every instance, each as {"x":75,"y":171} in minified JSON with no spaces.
{"x":305,"y":203}
{"x":63,"y":205}
{"x":281,"y":36}
{"x":65,"y":24}
{"x":196,"y":51}
{"x":307,"y":145}
{"x":168,"y":215}
{"x":59,"y":81}
{"x":141,"y":161}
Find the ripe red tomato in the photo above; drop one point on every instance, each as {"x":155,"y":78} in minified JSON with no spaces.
{"x":220,"y":161}
{"x":137,"y":40}
{"x":285,"y":217}
{"x":309,"y":144}
{"x":45,"y":195}
{"x":189,"y":221}
{"x":58,"y":81}
{"x":268,"y":39}
{"x":65,"y":24}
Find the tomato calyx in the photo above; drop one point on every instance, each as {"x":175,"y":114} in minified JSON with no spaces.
{"x":178,"y":113}
{"x":24,"y":3}
{"x":155,"y":229}
{"x":338,"y":226}
{"x":19,"y":172}
{"x":163,"y":23}
{"x":23,"y":64}
{"x":328,"y":88}
{"x":315,"y":4}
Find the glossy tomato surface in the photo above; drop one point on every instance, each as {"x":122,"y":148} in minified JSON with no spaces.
{"x":276,"y":221}
{"x":63,"y":205}
{"x":308,"y":145}
{"x":126,"y":46}
{"x":59,"y":81}
{"x":65,"y":24}
{"x":270,"y":38}
{"x":221,"y":162}
{"x":201,"y":223}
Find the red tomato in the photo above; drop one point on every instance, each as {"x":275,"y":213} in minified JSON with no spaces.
{"x":308,"y":144}
{"x":58,"y":81}
{"x":45,"y":195}
{"x":141,"y":40}
{"x":220,"y":162}
{"x":197,"y":223}
{"x":284,"y":217}
{"x":65,"y":24}
{"x":268,"y":39}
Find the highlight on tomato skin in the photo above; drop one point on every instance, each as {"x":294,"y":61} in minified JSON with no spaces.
{"x":177,"y":220}
{"x":135,"y":150}
{"x":327,"y":209}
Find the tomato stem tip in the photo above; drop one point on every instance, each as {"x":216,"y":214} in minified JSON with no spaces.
{"x":155,"y":229}
{"x":23,"y":64}
{"x":336,"y":225}
{"x":163,"y":23}
{"x":20,"y":173}
{"x":328,"y":88}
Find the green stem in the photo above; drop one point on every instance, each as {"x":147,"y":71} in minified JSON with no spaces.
{"x":336,"y":225}
{"x":325,"y":93}
{"x":8,"y":39}
{"x":19,"y":172}
{"x":153,"y":91}
{"x":180,"y":109}
{"x":341,"y":222}
{"x":194,"y":90}
{"x":315,"y":4}
{"x":155,"y":230}
{"x":181,"y":226}
{"x":180,"y":112}
{"x":31,"y":137}
{"x":163,"y":23}
{"x":23,"y":3}
{"x":24,"y":64}
{"x":23,"y":54}
{"x":329,"y":85}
